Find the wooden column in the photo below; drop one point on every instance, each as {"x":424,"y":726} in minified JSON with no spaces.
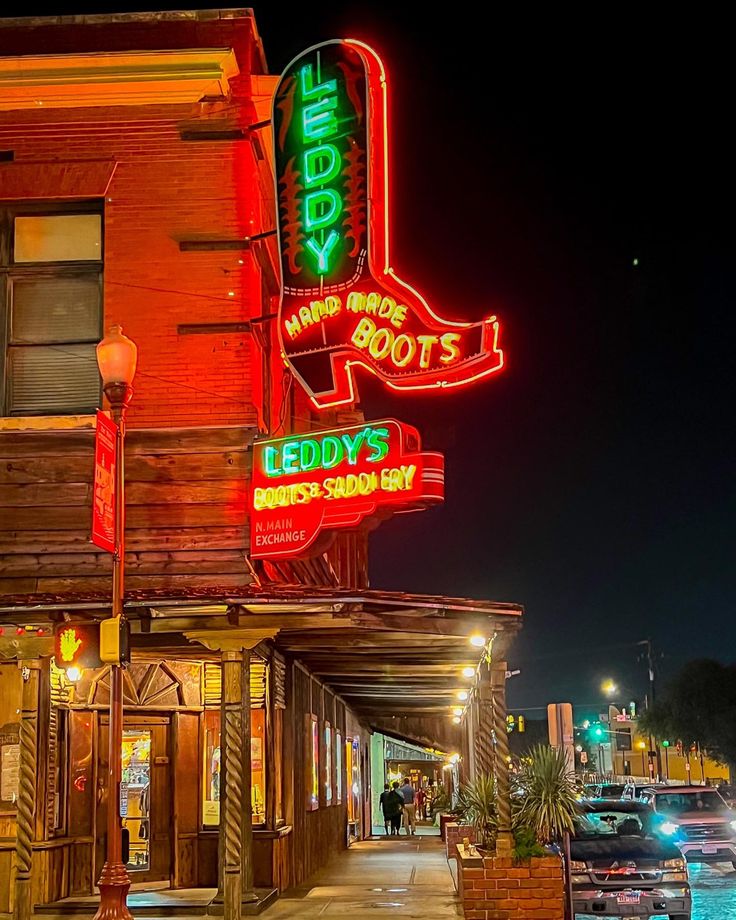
{"x":470,"y":719}
{"x":235,"y":852}
{"x":23,"y":905}
{"x":504,"y":839}
{"x":484,"y":738}
{"x":231,"y":799}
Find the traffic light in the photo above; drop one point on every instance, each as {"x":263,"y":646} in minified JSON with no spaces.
{"x":515,"y":723}
{"x":665,"y":744}
{"x":597,"y":732}
{"x":115,"y":641}
{"x":77,"y":646}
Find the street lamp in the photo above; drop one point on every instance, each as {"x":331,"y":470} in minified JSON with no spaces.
{"x":117,"y":356}
{"x":642,"y":745}
{"x":609,"y":687}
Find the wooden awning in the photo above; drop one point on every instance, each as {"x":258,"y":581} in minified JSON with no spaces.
{"x":386,"y":653}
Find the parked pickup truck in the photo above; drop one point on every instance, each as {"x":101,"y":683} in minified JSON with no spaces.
{"x":621,"y":866}
{"x":697,"y":819}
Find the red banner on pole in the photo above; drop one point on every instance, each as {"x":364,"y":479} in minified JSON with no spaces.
{"x":103,"y":500}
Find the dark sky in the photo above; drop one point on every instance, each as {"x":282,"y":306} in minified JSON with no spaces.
{"x":592,"y":481}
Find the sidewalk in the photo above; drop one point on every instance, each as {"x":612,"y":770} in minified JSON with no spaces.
{"x":401,"y":877}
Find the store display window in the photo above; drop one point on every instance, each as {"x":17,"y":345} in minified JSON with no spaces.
{"x":212,"y":767}
{"x":328,"y":764}
{"x":135,"y":796}
{"x":338,"y":768}
{"x":313,"y":764}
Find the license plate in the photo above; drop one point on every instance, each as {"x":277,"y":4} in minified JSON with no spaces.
{"x":628,"y":897}
{"x":709,"y":850}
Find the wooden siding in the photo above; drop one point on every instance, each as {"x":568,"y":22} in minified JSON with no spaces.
{"x":186,"y":510}
{"x":318,"y":834}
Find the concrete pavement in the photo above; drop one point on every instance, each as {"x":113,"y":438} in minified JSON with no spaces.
{"x":399,"y":877}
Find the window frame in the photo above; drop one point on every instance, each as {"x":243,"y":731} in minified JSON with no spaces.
{"x":9,"y":272}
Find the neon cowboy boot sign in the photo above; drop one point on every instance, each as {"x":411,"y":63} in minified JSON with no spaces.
{"x":342,"y":306}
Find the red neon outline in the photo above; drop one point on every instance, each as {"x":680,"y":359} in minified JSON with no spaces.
{"x":342,"y":357}
{"x":335,"y":515}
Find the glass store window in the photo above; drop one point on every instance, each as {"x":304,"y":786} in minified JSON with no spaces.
{"x":338,"y":768}
{"x":212,"y":766}
{"x":328,"y":764}
{"x":312,"y":763}
{"x":51,"y":304}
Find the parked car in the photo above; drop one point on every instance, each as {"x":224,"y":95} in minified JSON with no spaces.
{"x":605,"y":790}
{"x":634,"y":791}
{"x":699,"y":821}
{"x":621,"y":867}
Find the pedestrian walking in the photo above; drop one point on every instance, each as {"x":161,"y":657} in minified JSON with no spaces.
{"x":393,"y":807}
{"x":420,"y":801}
{"x":410,"y":816}
{"x":382,"y":803}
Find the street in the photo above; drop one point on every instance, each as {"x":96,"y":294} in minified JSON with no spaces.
{"x":714,"y":891}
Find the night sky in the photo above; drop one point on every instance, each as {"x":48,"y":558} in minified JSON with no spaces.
{"x":592,"y":481}
{"x":535,"y":160}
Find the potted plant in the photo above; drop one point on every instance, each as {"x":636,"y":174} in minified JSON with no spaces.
{"x":544,"y":805}
{"x":547,"y":795}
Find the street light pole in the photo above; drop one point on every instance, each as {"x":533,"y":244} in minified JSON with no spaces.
{"x":116,"y":357}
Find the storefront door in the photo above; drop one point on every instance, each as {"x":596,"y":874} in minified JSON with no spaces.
{"x":145,"y":797}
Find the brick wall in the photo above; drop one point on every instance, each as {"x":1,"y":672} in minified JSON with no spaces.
{"x":494,"y":888}
{"x":164,"y":190}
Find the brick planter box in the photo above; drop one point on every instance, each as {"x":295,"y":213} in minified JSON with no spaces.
{"x":444,"y":821}
{"x":497,"y":888}
{"x":454,"y":834}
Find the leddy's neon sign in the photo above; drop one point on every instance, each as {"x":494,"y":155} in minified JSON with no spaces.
{"x":342,"y":306}
{"x":307,"y":484}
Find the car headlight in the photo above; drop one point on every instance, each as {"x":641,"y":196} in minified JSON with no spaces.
{"x":667,"y":827}
{"x":577,"y":866}
{"x":674,"y":864}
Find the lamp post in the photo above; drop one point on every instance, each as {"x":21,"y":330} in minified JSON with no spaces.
{"x":116,"y":358}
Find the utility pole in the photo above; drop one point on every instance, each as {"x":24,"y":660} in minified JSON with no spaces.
{"x":647,"y":643}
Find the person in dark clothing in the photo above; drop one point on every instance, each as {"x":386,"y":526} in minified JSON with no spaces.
{"x":392,"y":809}
{"x":382,"y":802}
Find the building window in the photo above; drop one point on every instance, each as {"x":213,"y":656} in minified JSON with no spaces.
{"x":312,"y":760}
{"x":51,"y":302}
{"x":338,"y":768}
{"x":328,"y":764}
{"x":212,"y":767}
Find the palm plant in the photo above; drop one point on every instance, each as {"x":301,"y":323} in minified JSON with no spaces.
{"x":477,"y":805}
{"x":549,"y":803}
{"x":441,"y":803}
